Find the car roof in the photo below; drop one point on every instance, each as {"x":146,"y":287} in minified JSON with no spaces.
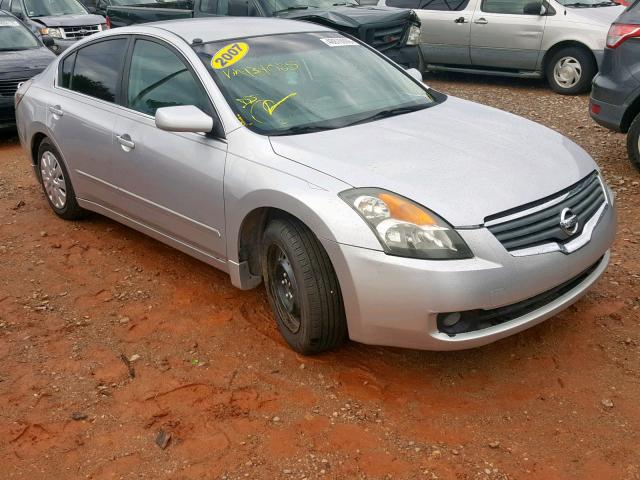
{"x":211,"y":29}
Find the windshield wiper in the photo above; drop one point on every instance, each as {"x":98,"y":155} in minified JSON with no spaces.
{"x":391,"y":112}
{"x":290,"y":9}
{"x":579,"y":5}
{"x":298,"y":130}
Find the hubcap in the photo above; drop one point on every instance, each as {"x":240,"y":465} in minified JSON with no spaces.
{"x":53,"y":180}
{"x":284,"y":288}
{"x":567,"y":72}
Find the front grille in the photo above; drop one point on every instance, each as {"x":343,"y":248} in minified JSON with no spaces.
{"x":543,"y":226}
{"x":387,"y":37}
{"x":9,"y":87}
{"x":474,"y":320}
{"x":75,"y":33}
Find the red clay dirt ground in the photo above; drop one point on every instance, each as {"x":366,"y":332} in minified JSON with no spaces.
{"x":559,"y":401}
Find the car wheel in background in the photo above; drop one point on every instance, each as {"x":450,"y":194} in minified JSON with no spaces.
{"x":56,"y":183}
{"x":302,"y":287}
{"x":570,"y":70}
{"x":633,"y":143}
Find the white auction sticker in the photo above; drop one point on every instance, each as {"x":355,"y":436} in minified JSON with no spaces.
{"x":338,"y":41}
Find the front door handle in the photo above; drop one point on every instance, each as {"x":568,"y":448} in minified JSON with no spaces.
{"x":481,"y":21}
{"x":126,"y":142}
{"x":56,"y":110}
{"x":460,"y":20}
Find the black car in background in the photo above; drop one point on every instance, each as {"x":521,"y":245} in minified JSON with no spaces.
{"x":65,"y":21}
{"x":22,"y":55}
{"x":615,"y":97}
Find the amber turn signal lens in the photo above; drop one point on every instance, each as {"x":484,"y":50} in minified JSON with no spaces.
{"x":401,"y":209}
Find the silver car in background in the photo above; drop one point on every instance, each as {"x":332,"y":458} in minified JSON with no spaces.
{"x":286,"y":153}
{"x":560,"y":40}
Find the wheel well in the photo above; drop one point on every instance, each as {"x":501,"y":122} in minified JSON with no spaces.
{"x":250,"y":235}
{"x":560,"y":46}
{"x":35,"y":145}
{"x":630,"y":115}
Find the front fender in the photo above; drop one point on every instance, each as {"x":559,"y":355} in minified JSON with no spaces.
{"x":255,"y":177}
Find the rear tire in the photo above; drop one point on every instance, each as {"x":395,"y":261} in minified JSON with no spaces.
{"x":570,"y":70}
{"x":56,"y":183}
{"x":302,"y":287}
{"x":633,"y":143}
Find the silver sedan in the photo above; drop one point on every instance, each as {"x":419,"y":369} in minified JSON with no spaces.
{"x":371,"y":206}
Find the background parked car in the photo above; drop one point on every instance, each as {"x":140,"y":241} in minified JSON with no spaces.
{"x":100,"y":7}
{"x":22,"y":56}
{"x":65,"y":21}
{"x":560,"y":40}
{"x":615,"y":98}
{"x":395,"y":32}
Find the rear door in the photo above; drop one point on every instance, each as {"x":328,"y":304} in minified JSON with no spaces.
{"x":82,"y":113}
{"x":445,"y":31}
{"x":507,"y":34}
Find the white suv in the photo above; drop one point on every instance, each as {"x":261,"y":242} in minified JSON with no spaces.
{"x":563,"y":40}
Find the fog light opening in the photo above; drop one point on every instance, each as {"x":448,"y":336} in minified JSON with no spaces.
{"x":451,"y":319}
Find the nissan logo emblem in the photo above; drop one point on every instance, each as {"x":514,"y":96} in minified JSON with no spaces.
{"x":568,"y":221}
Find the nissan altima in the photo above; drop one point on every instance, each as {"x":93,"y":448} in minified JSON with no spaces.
{"x":371,"y":206}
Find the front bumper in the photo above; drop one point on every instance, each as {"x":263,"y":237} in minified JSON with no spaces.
{"x":7,"y":113}
{"x":395,"y":301}
{"x":406,"y":56}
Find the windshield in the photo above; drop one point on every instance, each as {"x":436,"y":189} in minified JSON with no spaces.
{"x":586,"y":3}
{"x":53,"y":8}
{"x":274,"y":7}
{"x":13,"y":36}
{"x":293,"y":83}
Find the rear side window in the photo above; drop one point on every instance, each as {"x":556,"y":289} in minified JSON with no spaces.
{"x":159,"y":78}
{"x":97,"y":69}
{"x":513,"y":7}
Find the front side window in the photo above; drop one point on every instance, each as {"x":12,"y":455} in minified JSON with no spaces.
{"x":159,"y":78}
{"x":14,"y":36}
{"x":513,"y":7}
{"x":53,"y":8}
{"x":282,"y":84}
{"x":97,"y":69}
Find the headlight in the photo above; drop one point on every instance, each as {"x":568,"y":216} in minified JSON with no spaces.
{"x":414,"y":35}
{"x":405,"y":228}
{"x":52,"y":32}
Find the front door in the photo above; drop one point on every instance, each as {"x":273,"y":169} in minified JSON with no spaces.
{"x":507,"y":34}
{"x":170,"y":182}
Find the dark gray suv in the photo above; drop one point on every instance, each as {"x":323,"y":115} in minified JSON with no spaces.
{"x":615,"y":98}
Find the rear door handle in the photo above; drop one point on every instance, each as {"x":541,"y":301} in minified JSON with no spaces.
{"x":126,"y":142}
{"x":481,"y":21}
{"x":460,"y":20}
{"x":56,"y":110}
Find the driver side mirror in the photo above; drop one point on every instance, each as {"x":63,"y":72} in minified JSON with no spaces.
{"x":186,"y":118}
{"x":415,"y":74}
{"x":47,"y":41}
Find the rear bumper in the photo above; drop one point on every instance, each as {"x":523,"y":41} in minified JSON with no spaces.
{"x":406,"y":56}
{"x":396,"y":301}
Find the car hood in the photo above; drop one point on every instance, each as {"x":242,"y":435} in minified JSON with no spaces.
{"x":20,"y":60}
{"x":462,"y":160}
{"x":352,"y":17}
{"x":70,"y":20}
{"x":599,"y":15}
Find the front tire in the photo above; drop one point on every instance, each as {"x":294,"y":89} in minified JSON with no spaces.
{"x":56,"y":183}
{"x":570,"y":70}
{"x":302,"y":287}
{"x":633,"y":143}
